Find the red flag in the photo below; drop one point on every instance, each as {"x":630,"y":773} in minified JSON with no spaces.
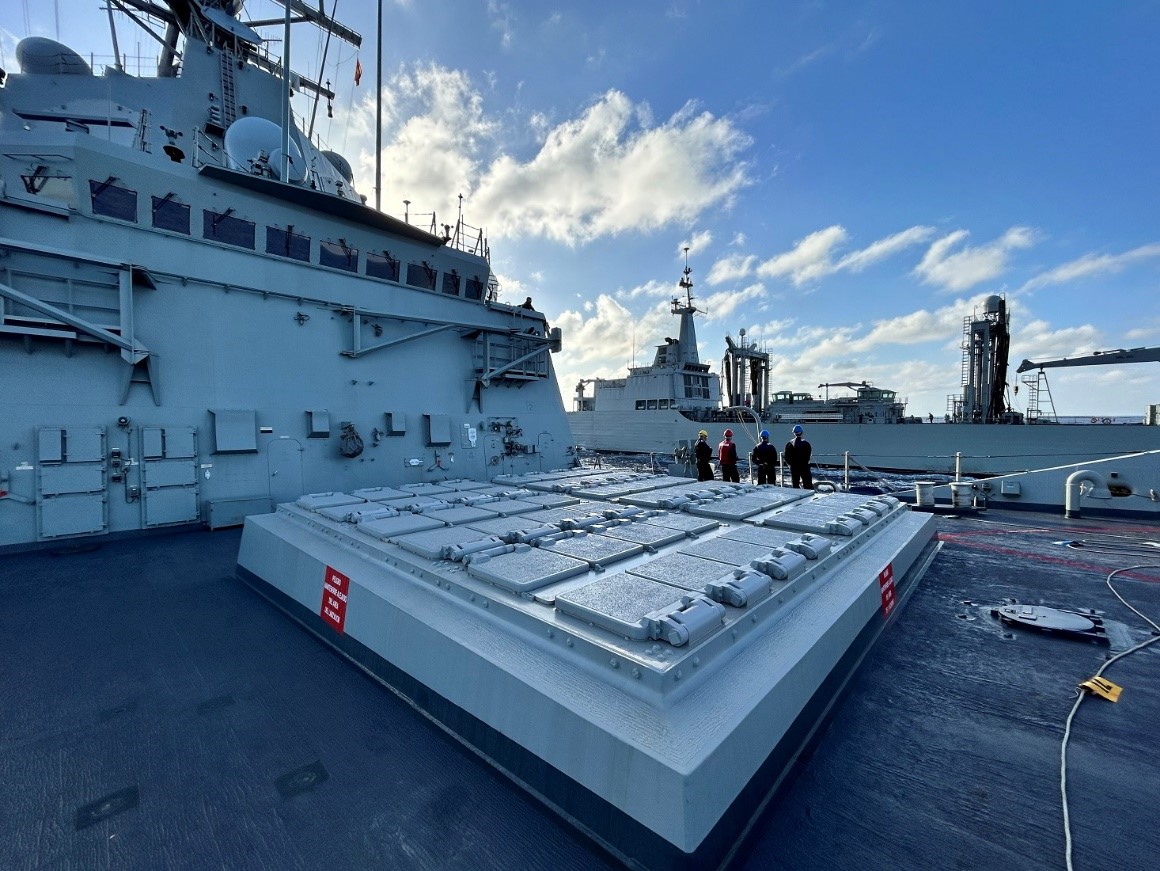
{"x":357,"y":71}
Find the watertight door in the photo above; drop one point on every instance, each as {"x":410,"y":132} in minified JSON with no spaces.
{"x":284,"y":461}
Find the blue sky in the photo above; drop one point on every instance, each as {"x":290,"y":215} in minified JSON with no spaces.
{"x":852,"y":178}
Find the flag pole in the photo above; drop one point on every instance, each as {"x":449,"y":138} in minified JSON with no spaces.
{"x":379,"y":110}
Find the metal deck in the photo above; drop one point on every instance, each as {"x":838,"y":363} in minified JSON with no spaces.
{"x":158,"y":713}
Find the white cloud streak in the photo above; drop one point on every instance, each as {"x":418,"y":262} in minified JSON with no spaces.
{"x":812,"y":258}
{"x":1092,"y":264}
{"x":962,"y":269}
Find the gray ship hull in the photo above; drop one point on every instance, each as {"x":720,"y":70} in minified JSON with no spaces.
{"x":992,"y":449}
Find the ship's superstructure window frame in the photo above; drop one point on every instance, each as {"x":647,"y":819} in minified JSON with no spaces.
{"x":287,"y":243}
{"x":224,"y":227}
{"x":421,"y":275}
{"x":169,"y":214}
{"x":640,"y":405}
{"x":382,"y":266}
{"x":473,"y":288}
{"x":338,"y":255}
{"x":113,"y":201}
{"x":696,"y":386}
{"x":451,"y":283}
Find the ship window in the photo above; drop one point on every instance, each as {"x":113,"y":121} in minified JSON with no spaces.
{"x":652,"y":405}
{"x":664,"y":403}
{"x":473,"y":288}
{"x":451,"y":283}
{"x":168,"y":214}
{"x":224,"y":227}
{"x":113,"y":201}
{"x":421,"y":275}
{"x":339,"y":255}
{"x":382,"y":266}
{"x":640,"y":405}
{"x":696,"y":387}
{"x":287,"y":243}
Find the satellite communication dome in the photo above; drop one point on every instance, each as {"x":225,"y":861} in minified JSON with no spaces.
{"x":341,"y":164}
{"x":252,"y":139}
{"x":993,"y":304}
{"x":38,"y":55}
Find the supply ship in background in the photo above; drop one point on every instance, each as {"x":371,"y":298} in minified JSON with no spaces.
{"x":659,"y":408}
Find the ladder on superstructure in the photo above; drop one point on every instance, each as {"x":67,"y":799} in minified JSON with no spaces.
{"x":229,"y":102}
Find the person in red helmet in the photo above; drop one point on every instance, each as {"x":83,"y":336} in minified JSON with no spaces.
{"x":727,"y":457}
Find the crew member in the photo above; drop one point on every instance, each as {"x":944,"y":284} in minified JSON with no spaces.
{"x":703,"y":454}
{"x":797,"y":457}
{"x":764,"y":459}
{"x":727,"y":457}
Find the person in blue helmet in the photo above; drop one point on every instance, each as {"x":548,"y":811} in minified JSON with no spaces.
{"x":764,"y":459}
{"x":703,"y":452}
{"x":797,"y":457}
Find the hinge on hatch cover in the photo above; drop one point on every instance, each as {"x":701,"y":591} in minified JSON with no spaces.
{"x":686,"y":621}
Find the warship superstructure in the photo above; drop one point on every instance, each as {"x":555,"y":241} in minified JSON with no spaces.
{"x":203,"y":323}
{"x":200,"y":317}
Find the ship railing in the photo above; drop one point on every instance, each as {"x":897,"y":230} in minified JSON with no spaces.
{"x":880,"y":482}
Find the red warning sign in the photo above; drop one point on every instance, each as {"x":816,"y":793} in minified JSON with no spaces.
{"x":886,"y":585}
{"x":334,"y":592}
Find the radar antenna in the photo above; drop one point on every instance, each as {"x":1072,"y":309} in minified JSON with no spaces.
{"x":686,"y":284}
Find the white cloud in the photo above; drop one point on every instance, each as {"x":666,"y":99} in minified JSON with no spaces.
{"x":608,"y":171}
{"x":602,"y":340}
{"x":809,"y":259}
{"x":731,"y":267}
{"x":962,"y":269}
{"x":700,"y":240}
{"x":1092,"y":264}
{"x":657,"y":289}
{"x":883,"y":248}
{"x":812,"y":258}
{"x":500,"y":15}
{"x":721,"y":305}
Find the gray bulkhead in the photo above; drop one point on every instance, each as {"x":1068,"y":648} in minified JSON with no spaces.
{"x":180,"y":335}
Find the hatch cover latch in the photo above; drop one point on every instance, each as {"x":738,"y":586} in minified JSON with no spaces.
{"x":686,"y":621}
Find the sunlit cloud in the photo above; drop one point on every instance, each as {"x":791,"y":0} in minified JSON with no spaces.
{"x":605,"y":172}
{"x":696,"y":244}
{"x":953,"y":266}
{"x":1092,"y":264}
{"x":722,"y":305}
{"x":731,"y":267}
{"x":813,"y":257}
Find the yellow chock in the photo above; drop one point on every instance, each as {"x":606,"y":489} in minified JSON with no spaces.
{"x":1103,"y":687}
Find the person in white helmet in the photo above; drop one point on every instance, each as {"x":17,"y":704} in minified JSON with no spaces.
{"x":797,"y":457}
{"x":703,"y":454}
{"x":727,"y":457}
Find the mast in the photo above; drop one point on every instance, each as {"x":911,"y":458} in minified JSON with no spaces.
{"x":686,"y":309}
{"x":379,"y":109}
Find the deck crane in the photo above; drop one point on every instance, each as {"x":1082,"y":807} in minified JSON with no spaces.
{"x":1097,"y":358}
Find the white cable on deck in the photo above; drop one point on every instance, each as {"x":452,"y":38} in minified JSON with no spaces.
{"x":1082,"y":695}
